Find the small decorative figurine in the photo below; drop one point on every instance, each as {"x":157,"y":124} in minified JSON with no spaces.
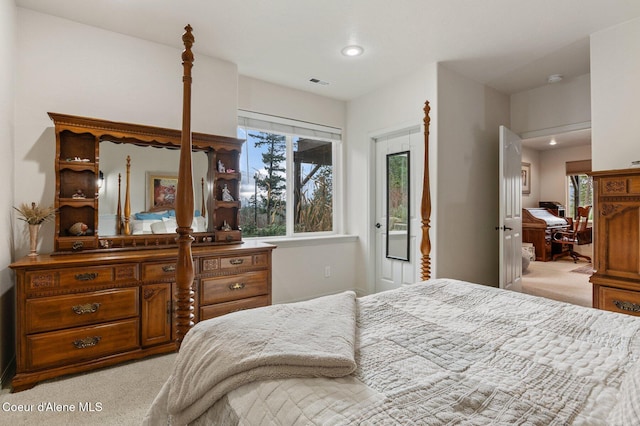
{"x":78,"y":229}
{"x":231,"y":170}
{"x":226,"y":226}
{"x":79,"y":194}
{"x":226,"y":194}
{"x":221,"y":167}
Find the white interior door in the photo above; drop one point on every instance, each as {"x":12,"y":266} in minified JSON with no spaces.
{"x":510,"y":225}
{"x":391,"y":273}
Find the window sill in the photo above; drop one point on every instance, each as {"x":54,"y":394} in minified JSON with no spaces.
{"x":285,"y":242}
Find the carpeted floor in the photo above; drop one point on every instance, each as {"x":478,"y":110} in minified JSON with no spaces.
{"x":560,"y":280}
{"x":115,"y":396}
{"x":587,"y":269}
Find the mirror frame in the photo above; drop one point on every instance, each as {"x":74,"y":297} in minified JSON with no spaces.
{"x":150,"y":136}
{"x":389,"y":255}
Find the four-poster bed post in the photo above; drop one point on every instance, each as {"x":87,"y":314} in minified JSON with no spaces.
{"x":425,"y":212}
{"x":184,"y":204}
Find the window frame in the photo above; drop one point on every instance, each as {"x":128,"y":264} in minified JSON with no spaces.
{"x":280,"y":125}
{"x":571,"y":209}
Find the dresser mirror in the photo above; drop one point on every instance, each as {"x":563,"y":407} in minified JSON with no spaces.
{"x":147,"y":163}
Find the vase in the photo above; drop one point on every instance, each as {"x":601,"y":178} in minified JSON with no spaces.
{"x":33,"y":239}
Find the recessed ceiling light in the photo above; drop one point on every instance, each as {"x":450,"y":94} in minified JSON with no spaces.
{"x":554,"y":78}
{"x":352,"y":50}
{"x":552,"y":142}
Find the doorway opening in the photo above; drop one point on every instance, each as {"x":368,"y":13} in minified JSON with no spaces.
{"x":560,"y":174}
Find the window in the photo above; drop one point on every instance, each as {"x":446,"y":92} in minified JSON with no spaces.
{"x":288,"y":176}
{"x":580,"y":187}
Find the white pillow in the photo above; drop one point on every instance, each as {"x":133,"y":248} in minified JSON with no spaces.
{"x":142,"y":226}
{"x":199,"y":224}
{"x":170,"y":224}
{"x":158,"y":228}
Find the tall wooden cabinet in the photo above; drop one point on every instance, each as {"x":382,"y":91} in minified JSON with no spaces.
{"x":103,"y":299}
{"x":616,"y":281}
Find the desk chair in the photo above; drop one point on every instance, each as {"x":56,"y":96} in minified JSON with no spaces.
{"x":578,"y":234}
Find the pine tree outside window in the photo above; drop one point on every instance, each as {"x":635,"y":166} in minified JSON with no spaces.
{"x":288,"y":177}
{"x":579,"y":187}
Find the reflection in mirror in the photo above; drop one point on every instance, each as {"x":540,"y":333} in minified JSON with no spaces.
{"x":398,"y":206}
{"x":147,"y":163}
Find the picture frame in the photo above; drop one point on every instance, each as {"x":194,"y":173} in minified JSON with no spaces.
{"x":526,"y":178}
{"x":161,"y":191}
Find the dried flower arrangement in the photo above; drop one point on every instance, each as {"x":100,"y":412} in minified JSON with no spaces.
{"x":34,"y":214}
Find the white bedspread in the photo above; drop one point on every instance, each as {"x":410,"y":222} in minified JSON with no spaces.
{"x":446,"y":352}
{"x":314,"y":338}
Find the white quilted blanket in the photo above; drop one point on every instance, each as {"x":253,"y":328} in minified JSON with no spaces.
{"x":446,"y":352}
{"x":314,"y":338}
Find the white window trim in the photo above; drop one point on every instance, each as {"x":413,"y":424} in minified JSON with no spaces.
{"x":291,"y":128}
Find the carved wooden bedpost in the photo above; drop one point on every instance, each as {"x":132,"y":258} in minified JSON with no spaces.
{"x":127,"y":199}
{"x":184,"y":203}
{"x":425,"y":244}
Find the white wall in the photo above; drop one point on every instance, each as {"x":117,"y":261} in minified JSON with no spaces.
{"x":552,"y":105}
{"x":8,"y":17}
{"x":615,"y":90}
{"x":553,"y":171}
{"x":267,"y":98}
{"x":469,"y":116}
{"x":395,"y":106}
{"x":532,"y":157}
{"x":76,"y":69}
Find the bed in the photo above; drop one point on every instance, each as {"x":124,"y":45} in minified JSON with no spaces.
{"x":439,"y":352}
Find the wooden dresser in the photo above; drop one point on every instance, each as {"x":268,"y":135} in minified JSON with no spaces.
{"x":616,"y":281}
{"x":79,"y":311}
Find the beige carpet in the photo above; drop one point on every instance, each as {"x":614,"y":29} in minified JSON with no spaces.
{"x":557,"y":280}
{"x":117,"y":395}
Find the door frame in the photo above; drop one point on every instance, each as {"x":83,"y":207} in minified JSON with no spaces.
{"x":371,"y":220}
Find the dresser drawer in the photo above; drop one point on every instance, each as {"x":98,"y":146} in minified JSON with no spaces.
{"x":618,"y":300}
{"x":77,"y":278}
{"x":161,"y":271}
{"x":236,"y":262}
{"x":218,"y":309}
{"x":79,"y":344}
{"x":54,"y":313}
{"x":233,"y":287}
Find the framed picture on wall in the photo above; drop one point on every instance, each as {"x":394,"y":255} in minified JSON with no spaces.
{"x":526,"y":178}
{"x":161,"y":191}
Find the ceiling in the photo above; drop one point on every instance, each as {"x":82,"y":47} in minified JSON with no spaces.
{"x":510,"y":45}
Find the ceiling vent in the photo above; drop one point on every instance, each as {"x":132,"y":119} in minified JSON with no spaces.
{"x":320,"y":82}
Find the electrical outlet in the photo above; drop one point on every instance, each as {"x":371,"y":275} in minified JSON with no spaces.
{"x":327,"y":271}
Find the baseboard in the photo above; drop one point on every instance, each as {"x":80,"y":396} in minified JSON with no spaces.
{"x":7,"y":374}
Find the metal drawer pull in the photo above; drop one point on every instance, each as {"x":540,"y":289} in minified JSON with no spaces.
{"x":236,"y":261}
{"x":87,"y":342}
{"x":87,"y":308}
{"x":89,"y":276}
{"x":627,"y":306}
{"x":236,"y":286}
{"x":169,"y":268}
